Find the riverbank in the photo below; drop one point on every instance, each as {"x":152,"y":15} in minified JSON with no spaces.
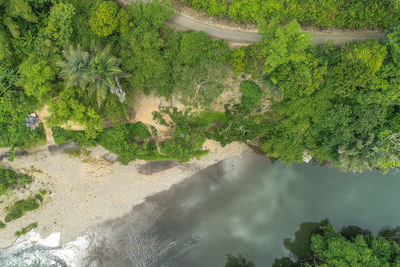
{"x":86,"y":191}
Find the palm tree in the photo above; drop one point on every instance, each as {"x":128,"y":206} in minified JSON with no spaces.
{"x":103,"y":75}
{"x":74,"y":66}
{"x":98,"y":73}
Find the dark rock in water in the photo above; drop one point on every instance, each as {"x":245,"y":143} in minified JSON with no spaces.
{"x":156,"y":166}
{"x":111,"y":157}
{"x":62,"y":147}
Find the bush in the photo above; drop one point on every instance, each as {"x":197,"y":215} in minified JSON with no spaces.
{"x":251,"y":94}
{"x":187,"y":139}
{"x":26,"y":229}
{"x":2,"y":225}
{"x":10,"y":180}
{"x":22,"y":206}
{"x":21,"y":136}
{"x":104,"y":20}
{"x":61,"y":135}
{"x":119,"y":140}
{"x":129,"y":142}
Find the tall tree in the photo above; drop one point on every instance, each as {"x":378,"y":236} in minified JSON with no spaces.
{"x":103,"y":75}
{"x":98,"y":73}
{"x":74,"y":66}
{"x":333,"y":249}
{"x":59,"y":27}
{"x":104,"y":18}
{"x":283,"y":45}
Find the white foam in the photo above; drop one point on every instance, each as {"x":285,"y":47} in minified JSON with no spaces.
{"x":51,"y":241}
{"x":72,"y":253}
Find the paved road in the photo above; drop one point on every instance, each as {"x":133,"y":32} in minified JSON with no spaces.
{"x":216,"y":32}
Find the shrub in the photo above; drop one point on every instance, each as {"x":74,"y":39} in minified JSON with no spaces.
{"x":26,"y":229}
{"x":104,"y":20}
{"x":184,"y":144}
{"x":2,"y":225}
{"x":11,"y":180}
{"x":119,"y":140}
{"x":251,"y":94}
{"x":22,"y":206}
{"x":61,"y":135}
{"x":130,"y":142}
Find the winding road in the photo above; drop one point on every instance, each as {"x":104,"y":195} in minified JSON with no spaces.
{"x":248,"y":37}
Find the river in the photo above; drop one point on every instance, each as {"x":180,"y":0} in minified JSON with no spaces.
{"x":246,"y":205}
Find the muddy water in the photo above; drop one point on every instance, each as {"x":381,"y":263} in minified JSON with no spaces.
{"x":245,"y":206}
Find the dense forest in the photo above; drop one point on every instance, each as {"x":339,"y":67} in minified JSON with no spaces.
{"x":349,"y":14}
{"x":89,"y":60}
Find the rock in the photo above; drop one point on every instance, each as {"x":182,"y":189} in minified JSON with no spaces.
{"x":62,"y":147}
{"x":306,"y":157}
{"x":156,"y":166}
{"x":111,"y":157}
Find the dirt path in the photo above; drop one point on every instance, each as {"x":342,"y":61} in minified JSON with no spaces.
{"x":238,"y":35}
{"x":42,"y":115}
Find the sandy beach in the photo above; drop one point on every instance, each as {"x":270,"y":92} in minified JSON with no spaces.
{"x":83,"y":192}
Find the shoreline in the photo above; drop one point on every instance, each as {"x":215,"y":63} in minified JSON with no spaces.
{"x":84,"y":193}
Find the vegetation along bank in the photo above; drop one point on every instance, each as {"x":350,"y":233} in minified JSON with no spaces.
{"x":284,"y":95}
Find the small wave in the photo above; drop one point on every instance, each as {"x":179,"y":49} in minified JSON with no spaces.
{"x":33,"y":250}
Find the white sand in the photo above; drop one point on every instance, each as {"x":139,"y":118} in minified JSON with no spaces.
{"x":86,"y":194}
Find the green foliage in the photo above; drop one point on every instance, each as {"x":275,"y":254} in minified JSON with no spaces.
{"x":353,"y":14}
{"x":332,"y":102}
{"x":5,"y":51}
{"x":73,"y":67}
{"x":157,"y":116}
{"x":129,"y":142}
{"x":283,"y":45}
{"x":147,"y":57}
{"x":104,"y":18}
{"x":238,"y":261}
{"x":83,"y":35}
{"x":319,"y":244}
{"x":238,"y":60}
{"x":26,"y":229}
{"x":238,"y":125}
{"x":11,"y":10}
{"x":251,"y":94}
{"x":2,"y":225}
{"x":98,"y":73}
{"x":103,"y":74}
{"x":358,"y":66}
{"x":36,"y":77}
{"x":337,"y":104}
{"x":73,"y":105}
{"x":199,"y":85}
{"x":14,"y":109}
{"x":61,"y":135}
{"x":335,"y":250}
{"x":22,"y":206}
{"x":196,"y":47}
{"x":59,"y":27}
{"x":10,"y":180}
{"x":184,"y":144}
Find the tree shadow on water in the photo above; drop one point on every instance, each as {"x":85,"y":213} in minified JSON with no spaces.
{"x":300,"y":247}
